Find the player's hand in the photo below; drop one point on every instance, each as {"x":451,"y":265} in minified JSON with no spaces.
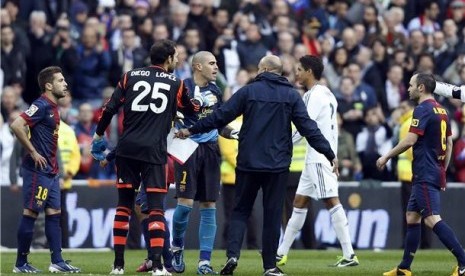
{"x":99,"y":145}
{"x":39,"y":161}
{"x":335,"y":164}
{"x":14,"y":188}
{"x":183,"y":133}
{"x":381,"y":162}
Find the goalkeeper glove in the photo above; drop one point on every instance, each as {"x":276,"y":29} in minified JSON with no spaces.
{"x":200,"y":99}
{"x":99,"y":145}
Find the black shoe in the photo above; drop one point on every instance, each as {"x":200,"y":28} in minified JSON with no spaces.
{"x":229,"y":267}
{"x":274,"y":272}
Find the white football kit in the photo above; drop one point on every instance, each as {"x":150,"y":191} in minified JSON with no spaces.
{"x":318,"y":180}
{"x":450,"y":91}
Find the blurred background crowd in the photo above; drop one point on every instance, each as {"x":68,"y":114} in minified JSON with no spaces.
{"x":370,"y":49}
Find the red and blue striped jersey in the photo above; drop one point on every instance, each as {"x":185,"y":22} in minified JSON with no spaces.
{"x":431,"y":122}
{"x":43,"y":120}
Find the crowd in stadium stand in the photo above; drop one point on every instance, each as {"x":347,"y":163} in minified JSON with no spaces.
{"x":370,"y":50}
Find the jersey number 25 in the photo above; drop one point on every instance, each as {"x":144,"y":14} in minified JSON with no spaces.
{"x":156,"y":94}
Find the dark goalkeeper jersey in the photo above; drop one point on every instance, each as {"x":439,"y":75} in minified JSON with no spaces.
{"x":149,"y":97}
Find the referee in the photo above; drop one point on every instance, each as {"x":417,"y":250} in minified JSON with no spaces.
{"x":269,"y":105}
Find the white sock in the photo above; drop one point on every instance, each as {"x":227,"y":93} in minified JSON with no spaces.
{"x":341,"y":227}
{"x":294,"y":225}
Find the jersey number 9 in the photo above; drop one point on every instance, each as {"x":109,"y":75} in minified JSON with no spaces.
{"x":156,"y":95}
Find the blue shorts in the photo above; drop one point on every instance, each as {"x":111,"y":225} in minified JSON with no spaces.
{"x":424,"y":199}
{"x":40,"y":191}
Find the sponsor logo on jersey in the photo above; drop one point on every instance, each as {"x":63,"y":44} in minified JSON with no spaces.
{"x":32,"y":110}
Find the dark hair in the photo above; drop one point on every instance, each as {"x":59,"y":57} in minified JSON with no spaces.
{"x":314,"y":63}
{"x":161,"y":50}
{"x":46,"y":76}
{"x":427,"y":80}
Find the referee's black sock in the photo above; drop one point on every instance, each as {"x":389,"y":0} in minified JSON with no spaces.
{"x":120,"y":233}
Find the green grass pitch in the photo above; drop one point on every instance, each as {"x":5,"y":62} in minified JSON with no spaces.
{"x":301,"y":262}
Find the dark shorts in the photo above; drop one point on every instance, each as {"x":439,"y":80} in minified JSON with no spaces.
{"x":199,"y":177}
{"x":424,"y":199}
{"x":130,"y":173}
{"x":40,"y":191}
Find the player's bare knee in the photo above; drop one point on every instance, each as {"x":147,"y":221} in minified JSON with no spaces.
{"x":431,"y":221}
{"x":301,"y":201}
{"x":51,"y":212}
{"x":331,"y":202}
{"x":186,"y":202}
{"x":208,"y":204}
{"x":412,"y":217}
{"x":30,"y":213}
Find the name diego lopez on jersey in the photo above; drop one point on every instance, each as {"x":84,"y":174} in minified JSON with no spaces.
{"x":145,"y":73}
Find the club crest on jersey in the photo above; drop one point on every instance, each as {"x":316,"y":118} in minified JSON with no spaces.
{"x":415,"y":122}
{"x":31,"y":110}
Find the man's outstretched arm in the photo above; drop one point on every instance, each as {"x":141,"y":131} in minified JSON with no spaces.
{"x":450,"y":91}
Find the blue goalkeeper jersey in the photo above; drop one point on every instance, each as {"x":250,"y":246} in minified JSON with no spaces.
{"x":213,"y":95}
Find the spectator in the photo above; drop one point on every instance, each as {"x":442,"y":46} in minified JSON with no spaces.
{"x":349,"y":162}
{"x":41,"y":53}
{"x":198,"y":14}
{"x":192,"y":40}
{"x":458,"y":13}
{"x":160,"y":32}
{"x":68,"y":113}
{"x":442,"y":54}
{"x":179,"y":13}
{"x":369,"y":144}
{"x":91,"y":71}
{"x":144,"y":31}
{"x":20,"y":35}
{"x":124,"y":22}
{"x":350,"y":106}
{"x":363,"y":90}
{"x":216,"y":26}
{"x":6,"y":148}
{"x":13,"y":59}
{"x":225,"y":51}
{"x":183,"y":69}
{"x":394,"y":32}
{"x":310,"y":30}
{"x":333,"y":71}
{"x":380,"y":57}
{"x":337,"y":20}
{"x":78,"y":14}
{"x":285,"y":43}
{"x":127,"y":57}
{"x":369,"y":72}
{"x":394,"y":90}
{"x":426,"y":21}
{"x":252,"y":49}
{"x":349,"y":42}
{"x":417,"y":44}
{"x":84,"y":130}
{"x":450,"y":31}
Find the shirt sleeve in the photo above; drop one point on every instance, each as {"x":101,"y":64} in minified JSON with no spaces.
{"x":419,"y":121}
{"x":34,"y":114}
{"x":112,"y":106}
{"x":314,"y":104}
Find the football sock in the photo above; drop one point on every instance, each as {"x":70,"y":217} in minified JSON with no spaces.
{"x":294,"y":225}
{"x":180,"y":220}
{"x":207,"y":232}
{"x":167,"y":255}
{"x":25,"y":232}
{"x":448,"y":238}
{"x":144,"y":226}
{"x":156,"y":228}
{"x":412,"y":241}
{"x":341,"y":227}
{"x":120,"y":233}
{"x":53,"y":234}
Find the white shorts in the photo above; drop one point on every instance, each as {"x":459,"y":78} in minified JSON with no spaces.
{"x":318,"y":181}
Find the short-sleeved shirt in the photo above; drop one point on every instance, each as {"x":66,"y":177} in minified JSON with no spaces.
{"x":431,"y":122}
{"x":43,"y":120}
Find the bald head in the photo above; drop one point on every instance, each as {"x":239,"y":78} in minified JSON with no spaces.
{"x":201,"y":57}
{"x":270,"y":64}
